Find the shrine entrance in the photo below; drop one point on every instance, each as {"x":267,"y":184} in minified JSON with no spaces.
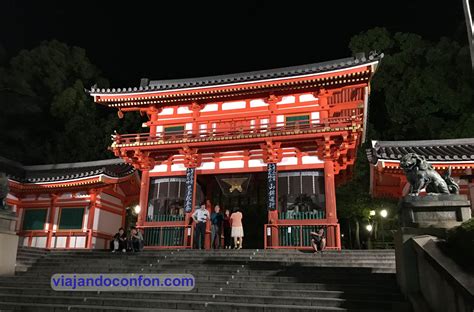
{"x":246,"y":191}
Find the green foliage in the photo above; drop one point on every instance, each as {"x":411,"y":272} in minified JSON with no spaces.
{"x":46,"y":115}
{"x":422,"y":90}
{"x":460,"y":243}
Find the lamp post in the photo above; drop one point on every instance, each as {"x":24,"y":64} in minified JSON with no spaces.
{"x":383,"y":214}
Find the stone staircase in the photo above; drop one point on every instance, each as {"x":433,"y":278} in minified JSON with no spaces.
{"x":226,"y":280}
{"x":27,"y":256}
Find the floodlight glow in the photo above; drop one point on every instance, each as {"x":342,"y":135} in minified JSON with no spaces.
{"x":137,"y":209}
{"x":372,"y":212}
{"x":369,"y":227}
{"x":384,"y":213}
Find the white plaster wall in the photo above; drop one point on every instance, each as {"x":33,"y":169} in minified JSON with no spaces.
{"x":307,"y":98}
{"x":233,"y":105}
{"x":210,"y":108}
{"x":258,"y":103}
{"x":231,"y":164}
{"x":311,"y":160}
{"x":111,"y":199}
{"x":287,"y":100}
{"x":160,"y":168}
{"x":107,"y":222}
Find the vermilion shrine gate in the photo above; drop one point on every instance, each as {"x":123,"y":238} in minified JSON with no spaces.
{"x":274,"y":142}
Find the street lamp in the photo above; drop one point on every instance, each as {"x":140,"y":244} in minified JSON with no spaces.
{"x":383,"y":214}
{"x":369,"y":227}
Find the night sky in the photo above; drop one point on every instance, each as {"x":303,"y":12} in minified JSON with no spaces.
{"x":128,"y":40}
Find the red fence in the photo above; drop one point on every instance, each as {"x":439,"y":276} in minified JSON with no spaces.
{"x":239,"y":127}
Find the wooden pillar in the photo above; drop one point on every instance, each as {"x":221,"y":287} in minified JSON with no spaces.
{"x":330,"y":190}
{"x":189,"y":198}
{"x":322,"y":96}
{"x":192,"y":160}
{"x":52,"y":214}
{"x":272,"y":192}
{"x":144,"y":189}
{"x":90,"y":220}
{"x":330,"y":195}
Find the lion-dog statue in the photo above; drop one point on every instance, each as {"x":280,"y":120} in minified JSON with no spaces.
{"x":420,"y":174}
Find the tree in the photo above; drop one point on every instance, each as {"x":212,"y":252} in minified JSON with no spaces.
{"x":422,"y":90}
{"x":48,"y":117}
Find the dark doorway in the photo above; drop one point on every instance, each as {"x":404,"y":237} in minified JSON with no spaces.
{"x":247,"y":191}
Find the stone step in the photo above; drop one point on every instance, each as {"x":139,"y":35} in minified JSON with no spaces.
{"x":243,"y":284}
{"x":200,"y":301}
{"x":48,"y":307}
{"x":354,"y":293}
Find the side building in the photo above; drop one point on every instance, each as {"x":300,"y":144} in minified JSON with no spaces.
{"x":273,"y":143}
{"x":388,"y":180}
{"x":73,"y":205}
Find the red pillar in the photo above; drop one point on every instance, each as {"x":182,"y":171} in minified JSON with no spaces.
{"x":207,"y":237}
{"x":144,"y":188}
{"x":90,"y":219}
{"x":330,"y":194}
{"x":52,"y":213}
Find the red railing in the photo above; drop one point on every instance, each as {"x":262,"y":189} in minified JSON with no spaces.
{"x":297,"y":236}
{"x":238,"y":128}
{"x":167,"y":236}
{"x":61,"y":233}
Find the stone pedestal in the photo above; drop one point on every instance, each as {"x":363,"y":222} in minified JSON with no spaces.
{"x":429,"y":215}
{"x":8,"y":243}
{"x":438,"y":211}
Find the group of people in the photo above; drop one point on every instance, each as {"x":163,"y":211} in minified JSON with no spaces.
{"x":134,"y":242}
{"x":225,"y":226}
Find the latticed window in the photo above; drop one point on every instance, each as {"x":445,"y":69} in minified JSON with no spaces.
{"x":34,"y":219}
{"x":71,"y":218}
{"x":166,"y":199}
{"x":301,"y":194}
{"x":296,"y":121}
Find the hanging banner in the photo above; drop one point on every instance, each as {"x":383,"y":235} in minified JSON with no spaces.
{"x":272,"y":191}
{"x":188,"y":198}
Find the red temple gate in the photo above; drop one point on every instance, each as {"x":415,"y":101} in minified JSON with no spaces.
{"x":303,"y":121}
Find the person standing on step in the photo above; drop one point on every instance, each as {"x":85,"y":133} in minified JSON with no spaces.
{"x":227,"y":230}
{"x":200,"y":216}
{"x":120,"y":241}
{"x":216,"y":227}
{"x":237,"y":231}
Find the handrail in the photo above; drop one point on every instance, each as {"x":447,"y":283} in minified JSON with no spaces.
{"x":298,"y":236}
{"x":234,"y":127}
{"x":188,"y":236}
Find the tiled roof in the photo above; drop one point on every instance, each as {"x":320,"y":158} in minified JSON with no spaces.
{"x":159,"y":85}
{"x":433,"y":150}
{"x":62,"y":172}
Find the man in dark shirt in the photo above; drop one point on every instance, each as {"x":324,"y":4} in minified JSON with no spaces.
{"x":120,"y":241}
{"x":216,"y":227}
{"x":318,"y":240}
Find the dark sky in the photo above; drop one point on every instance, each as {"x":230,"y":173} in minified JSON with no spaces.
{"x":157,"y":39}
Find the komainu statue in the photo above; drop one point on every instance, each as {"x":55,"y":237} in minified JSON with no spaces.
{"x":420,"y":174}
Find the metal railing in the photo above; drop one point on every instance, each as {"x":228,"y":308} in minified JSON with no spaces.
{"x":302,"y":215}
{"x":238,"y":128}
{"x":167,"y":236}
{"x":297,"y":236}
{"x":164,"y":218}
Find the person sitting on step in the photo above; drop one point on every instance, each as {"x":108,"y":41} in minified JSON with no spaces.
{"x":120,"y":241}
{"x":318,"y":240}
{"x":135,"y":243}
